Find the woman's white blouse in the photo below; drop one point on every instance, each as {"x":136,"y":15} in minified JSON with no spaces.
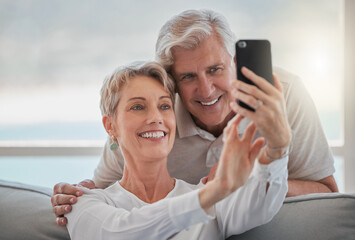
{"x":115,"y":213}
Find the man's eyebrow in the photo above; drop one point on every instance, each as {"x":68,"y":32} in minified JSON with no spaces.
{"x":193,"y":73}
{"x":216,"y":65}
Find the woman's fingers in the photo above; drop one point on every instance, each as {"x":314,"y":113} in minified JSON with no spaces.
{"x":249,"y":133}
{"x":231,"y":130}
{"x":255,"y":149}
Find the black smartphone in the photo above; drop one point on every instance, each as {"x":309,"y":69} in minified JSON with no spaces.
{"x":255,"y":55}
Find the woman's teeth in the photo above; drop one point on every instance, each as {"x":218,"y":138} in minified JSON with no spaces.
{"x":152,"y":134}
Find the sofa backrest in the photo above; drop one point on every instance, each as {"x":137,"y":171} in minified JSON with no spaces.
{"x":313,"y":216}
{"x":26,"y":213}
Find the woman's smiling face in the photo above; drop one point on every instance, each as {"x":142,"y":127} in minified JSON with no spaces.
{"x":145,"y":121}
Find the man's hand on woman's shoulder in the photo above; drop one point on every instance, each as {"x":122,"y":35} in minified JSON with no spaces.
{"x":64,"y":195}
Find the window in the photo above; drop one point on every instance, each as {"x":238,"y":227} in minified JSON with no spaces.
{"x":54,"y":56}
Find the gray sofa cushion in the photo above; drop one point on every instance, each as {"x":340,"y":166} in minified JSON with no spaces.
{"x":26,"y":213}
{"x":313,"y":216}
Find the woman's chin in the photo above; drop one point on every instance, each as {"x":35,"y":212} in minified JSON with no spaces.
{"x":155,"y":153}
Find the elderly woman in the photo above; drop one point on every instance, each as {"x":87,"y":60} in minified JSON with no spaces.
{"x":137,"y":108}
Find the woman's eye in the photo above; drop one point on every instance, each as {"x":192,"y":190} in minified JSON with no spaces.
{"x":137,"y":107}
{"x":165,"y":107}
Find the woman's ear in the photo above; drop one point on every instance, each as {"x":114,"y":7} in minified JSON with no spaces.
{"x":108,"y":124}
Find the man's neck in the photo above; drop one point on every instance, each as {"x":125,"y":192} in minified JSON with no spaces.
{"x":216,"y":130}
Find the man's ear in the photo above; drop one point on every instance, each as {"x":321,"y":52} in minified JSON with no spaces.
{"x":108,"y":124}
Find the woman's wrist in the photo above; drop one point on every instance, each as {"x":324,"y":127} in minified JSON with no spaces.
{"x":211,"y":193}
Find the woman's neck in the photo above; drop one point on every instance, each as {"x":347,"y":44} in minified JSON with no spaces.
{"x":149,"y":181}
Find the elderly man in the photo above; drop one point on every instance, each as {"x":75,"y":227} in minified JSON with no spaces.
{"x":197,"y":49}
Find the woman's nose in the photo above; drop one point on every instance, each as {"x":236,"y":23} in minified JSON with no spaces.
{"x":154,"y":116}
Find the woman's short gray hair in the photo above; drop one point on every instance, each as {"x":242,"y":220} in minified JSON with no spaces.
{"x":110,"y":91}
{"x":188,"y":30}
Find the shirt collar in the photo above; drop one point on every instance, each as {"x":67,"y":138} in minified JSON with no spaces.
{"x":186,"y":126}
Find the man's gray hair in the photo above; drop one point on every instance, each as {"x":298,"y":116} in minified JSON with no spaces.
{"x":188,"y":30}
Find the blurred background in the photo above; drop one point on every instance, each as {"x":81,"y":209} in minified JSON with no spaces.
{"x":55,"y":54}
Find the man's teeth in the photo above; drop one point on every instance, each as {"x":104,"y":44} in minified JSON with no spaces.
{"x":152,"y":135}
{"x":209,"y":103}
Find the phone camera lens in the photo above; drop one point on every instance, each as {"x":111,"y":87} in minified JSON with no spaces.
{"x":242,"y":44}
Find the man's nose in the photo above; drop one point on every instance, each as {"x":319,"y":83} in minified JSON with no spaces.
{"x":205,"y":86}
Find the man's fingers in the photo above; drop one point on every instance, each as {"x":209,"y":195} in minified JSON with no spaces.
{"x":204,"y":180}
{"x":62,"y":199}
{"x":262,"y":83}
{"x":64,"y":195}
{"x":246,"y":97}
{"x":66,"y":188}
{"x":251,"y":95}
{"x":277,"y":83}
{"x":59,"y":211}
{"x":242,"y":111}
{"x":88,"y":183}
{"x":61,"y":221}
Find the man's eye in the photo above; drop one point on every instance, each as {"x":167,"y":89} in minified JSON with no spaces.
{"x":137,"y":107}
{"x":214,"y":69}
{"x":187,"y":76}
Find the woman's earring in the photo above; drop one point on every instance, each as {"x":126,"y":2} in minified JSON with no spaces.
{"x":114,"y":145}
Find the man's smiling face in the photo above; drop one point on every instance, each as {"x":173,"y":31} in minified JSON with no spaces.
{"x":203,"y":75}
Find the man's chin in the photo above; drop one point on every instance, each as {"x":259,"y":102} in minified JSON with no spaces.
{"x":212,"y":122}
{"x":209,"y":122}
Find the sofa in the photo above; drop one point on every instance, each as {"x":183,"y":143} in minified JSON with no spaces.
{"x":26,"y":213}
